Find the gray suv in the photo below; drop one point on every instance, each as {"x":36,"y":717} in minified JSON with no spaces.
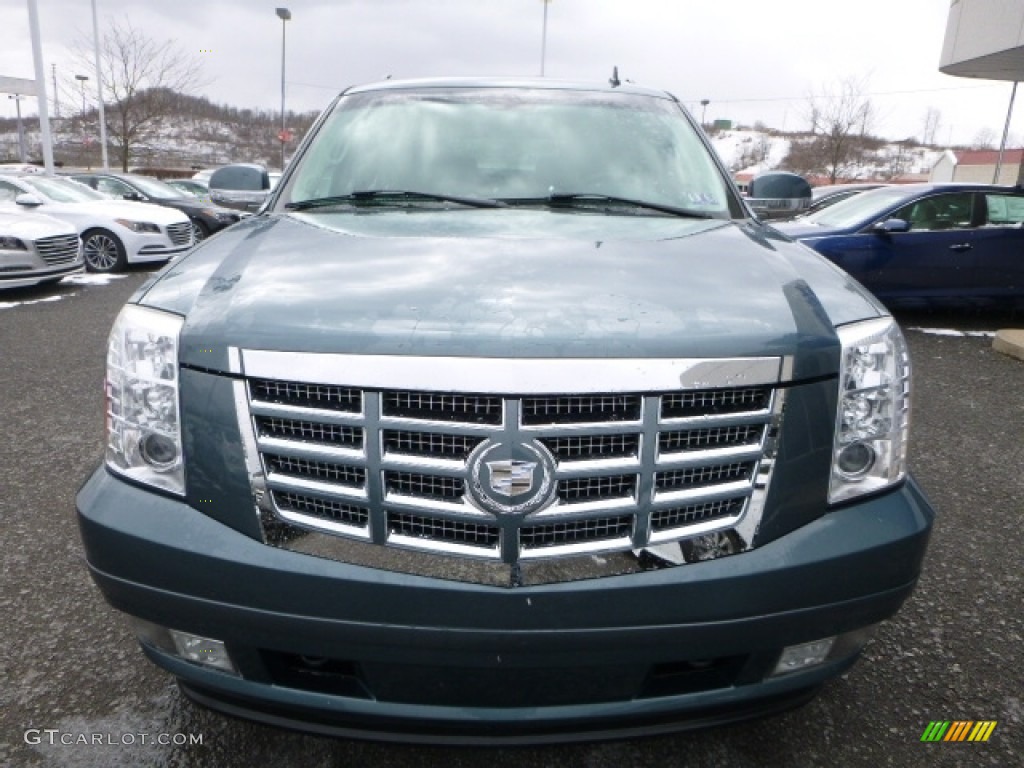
{"x":504,"y":421}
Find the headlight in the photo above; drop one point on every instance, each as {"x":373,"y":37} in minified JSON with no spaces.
{"x":11,"y":244}
{"x":143,"y":416}
{"x":139,"y":226}
{"x":220,"y":215}
{"x":870,"y":449}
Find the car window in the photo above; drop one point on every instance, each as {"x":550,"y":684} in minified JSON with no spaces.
{"x":113,"y":187}
{"x":61,"y":190}
{"x":1004,"y":210}
{"x":952,"y":211}
{"x":513,"y":144}
{"x":8,"y":192}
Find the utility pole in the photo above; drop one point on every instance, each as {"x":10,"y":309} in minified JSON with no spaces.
{"x":544,"y":38}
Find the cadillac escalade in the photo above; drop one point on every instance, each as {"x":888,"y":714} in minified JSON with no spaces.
{"x":504,"y":420}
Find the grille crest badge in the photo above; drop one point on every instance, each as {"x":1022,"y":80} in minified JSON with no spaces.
{"x":510,"y":477}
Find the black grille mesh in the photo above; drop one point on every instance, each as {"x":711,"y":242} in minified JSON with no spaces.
{"x":310,"y":432}
{"x":573,"y":531}
{"x":696,"y":477}
{"x":322,"y":508}
{"x":709,"y":402}
{"x":712,"y":437}
{"x":442,"y":529}
{"x":664,"y":519}
{"x":316,"y":470}
{"x":324,"y":396}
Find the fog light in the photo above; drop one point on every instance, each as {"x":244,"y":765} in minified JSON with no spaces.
{"x":797,"y":657}
{"x":202,"y":650}
{"x":856,"y":460}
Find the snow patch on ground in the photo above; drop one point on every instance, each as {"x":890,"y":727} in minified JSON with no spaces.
{"x":89,"y":279}
{"x":952,"y":332}
{"x":11,"y":304}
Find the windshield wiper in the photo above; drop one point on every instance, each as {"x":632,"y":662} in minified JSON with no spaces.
{"x":386,"y":195}
{"x":590,"y":199}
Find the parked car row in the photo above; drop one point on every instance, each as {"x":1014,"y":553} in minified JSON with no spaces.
{"x":116,"y":219}
{"x":206,"y":219}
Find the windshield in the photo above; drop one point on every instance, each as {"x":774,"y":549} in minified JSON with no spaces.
{"x":854,"y":210}
{"x":62,"y":190}
{"x":155,"y":187}
{"x":512,"y":144}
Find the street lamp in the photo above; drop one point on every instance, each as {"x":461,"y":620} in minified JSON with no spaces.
{"x":704,"y":110}
{"x":81,"y":81}
{"x":544,"y":38}
{"x":284,"y":15}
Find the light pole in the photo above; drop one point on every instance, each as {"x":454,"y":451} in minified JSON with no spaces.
{"x":22,"y":152}
{"x":544,"y":38}
{"x":704,"y":110}
{"x":284,"y":15}
{"x":81,"y":81}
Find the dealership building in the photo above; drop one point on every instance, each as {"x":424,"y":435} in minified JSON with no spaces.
{"x":985,"y":40}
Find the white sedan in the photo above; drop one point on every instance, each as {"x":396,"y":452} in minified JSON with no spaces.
{"x":113,"y":232}
{"x":36,"y":249}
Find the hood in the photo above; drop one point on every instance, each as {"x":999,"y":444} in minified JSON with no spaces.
{"x":116,"y":209}
{"x":584,"y":286}
{"x":32,"y":226}
{"x":802,"y":229}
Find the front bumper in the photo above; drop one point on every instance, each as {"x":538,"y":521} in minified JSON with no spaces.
{"x":346,"y":650}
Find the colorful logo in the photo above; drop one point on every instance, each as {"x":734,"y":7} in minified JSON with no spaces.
{"x":959,"y":730}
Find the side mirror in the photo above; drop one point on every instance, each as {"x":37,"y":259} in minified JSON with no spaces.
{"x":890,"y":226}
{"x":27,"y":200}
{"x":779,"y":195}
{"x":244,"y":186}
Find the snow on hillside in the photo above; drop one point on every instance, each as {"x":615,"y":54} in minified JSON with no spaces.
{"x":749,"y":152}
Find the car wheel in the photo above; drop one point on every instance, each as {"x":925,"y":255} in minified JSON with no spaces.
{"x":102,"y":251}
{"x":199,"y":231}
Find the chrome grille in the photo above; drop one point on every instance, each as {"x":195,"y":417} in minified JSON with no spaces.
{"x":395,"y":467}
{"x":693,"y":477}
{"x":438,"y":529}
{"x":576,"y":409}
{"x":428,"y":406}
{"x":716,"y":437}
{"x":315,"y":470}
{"x":424,"y":486}
{"x":576,"y":531}
{"x":676,"y":517}
{"x":60,"y":249}
{"x":589,"y":447}
{"x":180,"y":234}
{"x":708,"y":402}
{"x":307,"y":395}
{"x":432,"y":444}
{"x":322,"y":508}
{"x":579,"y":490}
{"x":310,"y":432}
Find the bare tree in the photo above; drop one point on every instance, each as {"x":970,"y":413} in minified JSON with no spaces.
{"x":932,"y":121}
{"x":139,"y":76}
{"x":985,"y":138}
{"x":840,"y":118}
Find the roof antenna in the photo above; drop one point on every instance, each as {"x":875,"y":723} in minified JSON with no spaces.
{"x":614,"y":79}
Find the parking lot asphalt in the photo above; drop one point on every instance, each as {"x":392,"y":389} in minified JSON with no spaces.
{"x":71,"y":671}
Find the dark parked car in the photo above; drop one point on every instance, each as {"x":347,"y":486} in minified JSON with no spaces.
{"x":926,"y":244}
{"x":830,"y":194}
{"x":504,"y":420}
{"x":206,"y":218}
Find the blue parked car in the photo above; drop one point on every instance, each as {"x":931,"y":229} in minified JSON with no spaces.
{"x":926,"y":244}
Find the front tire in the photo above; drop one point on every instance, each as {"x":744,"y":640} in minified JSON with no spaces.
{"x":103,"y":251}
{"x":199,"y":232}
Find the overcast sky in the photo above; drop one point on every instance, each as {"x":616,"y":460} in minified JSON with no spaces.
{"x":752,"y":59}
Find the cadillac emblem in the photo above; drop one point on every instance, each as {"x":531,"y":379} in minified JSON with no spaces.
{"x":511,"y":477}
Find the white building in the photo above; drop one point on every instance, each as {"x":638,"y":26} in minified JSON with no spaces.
{"x":985,"y":39}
